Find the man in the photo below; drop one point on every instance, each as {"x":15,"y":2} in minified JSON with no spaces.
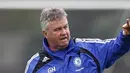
{"x":62,"y":54}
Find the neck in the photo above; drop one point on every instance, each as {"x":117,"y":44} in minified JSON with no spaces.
{"x":52,"y":48}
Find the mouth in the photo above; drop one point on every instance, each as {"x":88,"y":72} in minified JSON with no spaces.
{"x":64,"y":38}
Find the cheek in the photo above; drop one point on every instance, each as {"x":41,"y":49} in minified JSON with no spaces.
{"x":55,"y":35}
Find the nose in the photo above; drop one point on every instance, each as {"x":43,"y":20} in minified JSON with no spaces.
{"x":63,"y":32}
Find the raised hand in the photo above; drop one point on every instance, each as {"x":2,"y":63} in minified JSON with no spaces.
{"x":126,"y":27}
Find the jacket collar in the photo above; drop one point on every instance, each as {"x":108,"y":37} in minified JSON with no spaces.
{"x":71,"y":49}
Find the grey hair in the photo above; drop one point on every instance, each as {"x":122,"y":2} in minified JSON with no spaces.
{"x":51,"y":14}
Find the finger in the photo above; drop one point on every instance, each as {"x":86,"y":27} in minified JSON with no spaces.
{"x":127,"y":20}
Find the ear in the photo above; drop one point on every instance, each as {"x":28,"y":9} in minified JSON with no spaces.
{"x":44,"y":33}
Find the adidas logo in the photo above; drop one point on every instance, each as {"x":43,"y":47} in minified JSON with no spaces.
{"x":45,"y":59}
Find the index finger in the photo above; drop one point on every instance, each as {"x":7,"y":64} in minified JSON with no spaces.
{"x":127,"y":20}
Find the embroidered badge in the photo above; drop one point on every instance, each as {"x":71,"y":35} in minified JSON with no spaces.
{"x":77,"y":61}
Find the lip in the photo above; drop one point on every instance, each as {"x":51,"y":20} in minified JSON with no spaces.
{"x":63,"y":38}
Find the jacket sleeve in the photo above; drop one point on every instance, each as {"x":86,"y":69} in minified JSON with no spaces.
{"x":32,"y":63}
{"x":107,"y":51}
{"x":115,"y":49}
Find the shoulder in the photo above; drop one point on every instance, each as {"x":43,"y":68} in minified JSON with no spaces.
{"x":32,"y":63}
{"x":91,"y":42}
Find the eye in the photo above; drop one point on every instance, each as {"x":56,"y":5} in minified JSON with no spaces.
{"x":66,"y":26}
{"x":57,"y":29}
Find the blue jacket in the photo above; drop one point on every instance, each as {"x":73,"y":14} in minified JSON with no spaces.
{"x":70,"y":61}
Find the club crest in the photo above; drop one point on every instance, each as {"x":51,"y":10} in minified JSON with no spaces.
{"x":77,"y":61}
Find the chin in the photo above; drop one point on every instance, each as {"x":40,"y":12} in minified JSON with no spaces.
{"x":64,"y":46}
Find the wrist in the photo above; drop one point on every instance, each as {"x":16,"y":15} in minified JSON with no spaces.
{"x":126,"y":32}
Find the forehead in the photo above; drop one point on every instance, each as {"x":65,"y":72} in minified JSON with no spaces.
{"x":58,"y":23}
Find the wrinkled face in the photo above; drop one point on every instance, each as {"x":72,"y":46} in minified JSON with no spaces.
{"x":58,"y":33}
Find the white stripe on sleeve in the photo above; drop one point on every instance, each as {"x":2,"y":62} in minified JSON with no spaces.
{"x":28,"y":63}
